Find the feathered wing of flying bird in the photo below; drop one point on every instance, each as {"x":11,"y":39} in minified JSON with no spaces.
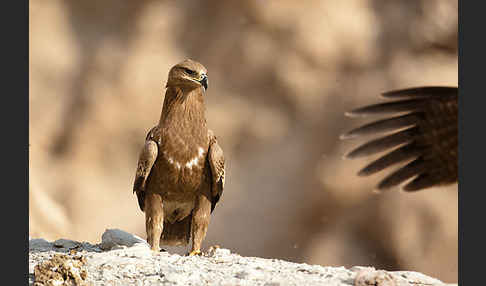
{"x":181,"y":168}
{"x":420,"y":127}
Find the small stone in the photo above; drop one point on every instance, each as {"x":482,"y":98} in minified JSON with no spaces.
{"x":66,"y":243}
{"x":112,"y":238}
{"x":217,"y":251}
{"x":39,"y":244}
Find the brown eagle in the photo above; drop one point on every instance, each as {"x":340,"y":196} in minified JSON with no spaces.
{"x":180,"y":173}
{"x":422,"y":130}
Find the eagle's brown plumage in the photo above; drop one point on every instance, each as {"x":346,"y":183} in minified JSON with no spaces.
{"x":422,"y":130}
{"x":180,"y":173}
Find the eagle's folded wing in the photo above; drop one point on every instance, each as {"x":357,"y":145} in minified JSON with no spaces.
{"x":217,"y":163}
{"x":146,"y":160}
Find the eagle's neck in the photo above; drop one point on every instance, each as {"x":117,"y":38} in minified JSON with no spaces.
{"x":183,"y":107}
{"x":183,"y":121}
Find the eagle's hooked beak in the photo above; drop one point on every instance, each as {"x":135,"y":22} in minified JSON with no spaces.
{"x":204,"y":81}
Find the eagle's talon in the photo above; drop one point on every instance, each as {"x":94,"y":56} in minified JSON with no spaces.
{"x":195,"y":252}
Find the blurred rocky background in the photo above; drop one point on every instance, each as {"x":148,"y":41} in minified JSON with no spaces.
{"x":281,"y":75}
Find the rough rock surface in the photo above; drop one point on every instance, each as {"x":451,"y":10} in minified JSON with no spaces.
{"x":125,"y":259}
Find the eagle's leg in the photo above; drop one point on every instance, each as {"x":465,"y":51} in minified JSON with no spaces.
{"x":154,"y":220}
{"x":200,"y":221}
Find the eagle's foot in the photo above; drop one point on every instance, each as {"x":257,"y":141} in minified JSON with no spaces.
{"x":195,"y":252}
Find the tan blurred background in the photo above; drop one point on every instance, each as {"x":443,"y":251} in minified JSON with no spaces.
{"x":281,"y":75}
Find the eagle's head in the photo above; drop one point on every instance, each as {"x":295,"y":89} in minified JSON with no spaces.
{"x":188,"y":75}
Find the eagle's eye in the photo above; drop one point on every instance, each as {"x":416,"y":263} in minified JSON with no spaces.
{"x":189,"y":72}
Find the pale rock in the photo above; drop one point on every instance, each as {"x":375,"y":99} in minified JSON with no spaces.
{"x":114,"y":238}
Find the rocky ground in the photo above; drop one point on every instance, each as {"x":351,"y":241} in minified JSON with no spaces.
{"x":125,"y":259}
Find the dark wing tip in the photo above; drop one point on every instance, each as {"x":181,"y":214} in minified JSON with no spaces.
{"x":422,"y":181}
{"x":141,"y":200}
{"x":383,"y":126}
{"x":423,"y":91}
{"x":390,"y":107}
{"x":383,"y":143}
{"x":410,"y":170}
